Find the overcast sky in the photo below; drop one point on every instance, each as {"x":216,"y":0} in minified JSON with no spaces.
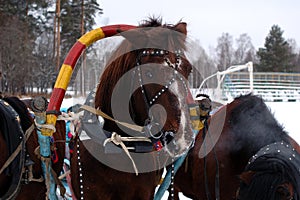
{"x":208,"y":19}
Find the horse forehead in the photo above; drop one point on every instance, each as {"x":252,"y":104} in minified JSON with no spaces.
{"x":165,"y":38}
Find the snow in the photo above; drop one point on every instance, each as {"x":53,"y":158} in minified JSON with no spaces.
{"x":286,"y":114}
{"x":68,"y":102}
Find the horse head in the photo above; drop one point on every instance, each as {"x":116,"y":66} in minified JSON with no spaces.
{"x":145,"y":83}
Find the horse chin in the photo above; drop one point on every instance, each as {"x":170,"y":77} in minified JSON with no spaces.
{"x":182,"y":141}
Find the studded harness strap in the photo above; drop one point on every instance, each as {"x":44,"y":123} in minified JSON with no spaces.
{"x":149,"y":123}
{"x":277,"y":157}
{"x":15,"y":140}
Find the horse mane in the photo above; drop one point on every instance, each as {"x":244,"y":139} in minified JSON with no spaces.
{"x":253,"y":125}
{"x":124,"y":58}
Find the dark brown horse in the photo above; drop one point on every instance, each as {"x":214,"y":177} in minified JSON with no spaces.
{"x":235,"y":133}
{"x":14,"y":181}
{"x":144,"y":84}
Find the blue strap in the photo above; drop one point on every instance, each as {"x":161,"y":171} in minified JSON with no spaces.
{"x":167,"y":180}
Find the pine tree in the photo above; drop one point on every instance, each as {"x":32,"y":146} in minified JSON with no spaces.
{"x":71,"y":20}
{"x":276,"y":56}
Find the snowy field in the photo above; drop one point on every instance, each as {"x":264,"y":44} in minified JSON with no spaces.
{"x":286,"y":114}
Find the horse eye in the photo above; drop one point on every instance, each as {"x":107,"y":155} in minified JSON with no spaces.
{"x":149,"y":74}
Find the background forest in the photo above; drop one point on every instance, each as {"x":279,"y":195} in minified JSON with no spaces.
{"x":36,"y":35}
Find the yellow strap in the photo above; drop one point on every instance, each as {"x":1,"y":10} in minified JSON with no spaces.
{"x":102,"y":114}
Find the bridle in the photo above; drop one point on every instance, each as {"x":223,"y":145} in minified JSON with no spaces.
{"x":161,"y":53}
{"x":161,"y":136}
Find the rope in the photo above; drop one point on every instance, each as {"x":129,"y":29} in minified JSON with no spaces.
{"x":47,"y":178}
{"x":30,"y":176}
{"x":118,"y":140}
{"x":47,"y":161}
{"x":45,"y":126}
{"x":102,"y":114}
{"x":58,"y":182}
{"x":62,"y":176}
{"x":18,"y":149}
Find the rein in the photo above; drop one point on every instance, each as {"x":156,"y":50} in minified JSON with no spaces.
{"x":217,"y":176}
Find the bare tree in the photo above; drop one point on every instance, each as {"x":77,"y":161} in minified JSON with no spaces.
{"x":203,"y":65}
{"x":15,"y":54}
{"x":224,"y":51}
{"x":43,"y":75}
{"x":245,"y":51}
{"x":294,"y":51}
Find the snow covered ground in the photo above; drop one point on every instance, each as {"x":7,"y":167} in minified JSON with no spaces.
{"x":286,"y":114}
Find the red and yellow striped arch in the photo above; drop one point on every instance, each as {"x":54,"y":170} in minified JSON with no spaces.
{"x":70,"y":61}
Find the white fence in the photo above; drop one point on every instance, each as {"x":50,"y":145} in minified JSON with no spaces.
{"x":270,"y":86}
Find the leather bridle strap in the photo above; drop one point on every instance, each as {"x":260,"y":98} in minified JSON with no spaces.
{"x":217,"y":177}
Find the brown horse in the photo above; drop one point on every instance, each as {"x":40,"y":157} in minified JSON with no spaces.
{"x":143,"y":85}
{"x":235,"y":133}
{"x":14,"y":181}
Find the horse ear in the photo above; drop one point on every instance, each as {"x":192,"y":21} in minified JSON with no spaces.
{"x":181,"y":27}
{"x":246,"y":177}
{"x":137,"y":37}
